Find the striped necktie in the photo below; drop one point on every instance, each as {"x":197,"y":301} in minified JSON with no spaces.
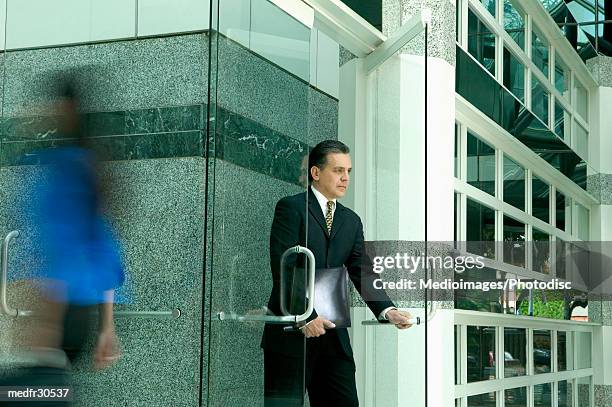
{"x":329,"y":216}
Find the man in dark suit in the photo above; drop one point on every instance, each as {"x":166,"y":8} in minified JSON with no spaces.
{"x":318,"y":356}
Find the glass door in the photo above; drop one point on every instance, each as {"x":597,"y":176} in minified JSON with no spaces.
{"x":259,"y":135}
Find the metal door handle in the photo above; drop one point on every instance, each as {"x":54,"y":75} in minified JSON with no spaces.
{"x":4,"y":307}
{"x":286,"y":318}
{"x":376,"y":322}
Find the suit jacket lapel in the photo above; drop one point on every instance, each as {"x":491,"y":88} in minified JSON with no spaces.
{"x":315,"y":210}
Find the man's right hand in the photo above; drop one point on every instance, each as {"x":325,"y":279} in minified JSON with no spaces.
{"x":317,"y":327}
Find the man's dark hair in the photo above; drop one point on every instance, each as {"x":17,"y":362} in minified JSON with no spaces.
{"x":318,"y":155}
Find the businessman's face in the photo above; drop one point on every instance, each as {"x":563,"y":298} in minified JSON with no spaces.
{"x":333,"y":179}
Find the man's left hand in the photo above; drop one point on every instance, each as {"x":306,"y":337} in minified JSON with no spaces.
{"x":401,"y":319}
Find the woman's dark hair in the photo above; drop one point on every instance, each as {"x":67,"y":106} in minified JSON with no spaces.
{"x":318,"y":155}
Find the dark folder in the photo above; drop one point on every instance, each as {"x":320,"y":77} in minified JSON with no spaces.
{"x":331,"y":295}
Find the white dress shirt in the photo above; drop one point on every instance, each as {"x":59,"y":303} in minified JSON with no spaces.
{"x":322,"y":200}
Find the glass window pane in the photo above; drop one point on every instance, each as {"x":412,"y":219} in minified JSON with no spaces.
{"x":478,"y":299}
{"x":542,"y":395}
{"x":562,"y":122}
{"x":563,"y":351}
{"x":515,"y":352}
{"x":516,"y":397}
{"x":514,"y":184}
{"x":456,"y":151}
{"x":514,"y":22}
{"x":583,"y":347}
{"x":480,"y":229}
{"x":565,"y":394}
{"x":541,"y":252}
{"x":489,"y":5}
{"x":560,"y":254}
{"x":539,"y":52}
{"x":564,"y":218}
{"x":539,"y":100}
{"x":562,"y":76}
{"x":540,"y":199}
{"x":481,"y":42}
{"x":582,"y":222}
{"x":480,"y":353}
{"x":480,"y":164}
{"x":581,"y":141}
{"x":514,"y":75}
{"x":542,"y":349}
{"x":582,"y":101}
{"x":482,"y":400}
{"x":514,"y":242}
{"x":584,"y":391}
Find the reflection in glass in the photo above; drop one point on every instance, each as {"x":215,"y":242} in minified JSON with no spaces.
{"x":479,"y":300}
{"x":514,"y":22}
{"x":582,"y":342}
{"x":514,"y":242}
{"x":516,"y":397}
{"x":582,"y":100}
{"x":480,"y":229}
{"x":539,"y":52}
{"x":480,"y":353}
{"x":514,"y":75}
{"x":563,"y":212}
{"x":514,"y":184}
{"x":582,"y":222}
{"x":564,"y":394}
{"x":481,"y":42}
{"x":539,"y":100}
{"x":489,"y":5}
{"x":456,"y":151}
{"x":482,"y":400}
{"x":540,"y":201}
{"x":480,"y":164}
{"x":562,"y":76}
{"x":515,"y":352}
{"x":542,"y":348}
{"x":581,"y":141}
{"x":604,"y":35}
{"x":541,"y":251}
{"x":560,"y":256}
{"x":542,"y":395}
{"x":562,"y":351}
{"x":562,"y":122}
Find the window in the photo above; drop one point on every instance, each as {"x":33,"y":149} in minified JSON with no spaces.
{"x":482,"y":400}
{"x":514,"y":22}
{"x":541,"y":251}
{"x":539,"y":100}
{"x":489,"y":5}
{"x":480,"y":353}
{"x":581,"y":141}
{"x":565,"y":394}
{"x":542,"y":395}
{"x":583,"y":349}
{"x":562,"y":76}
{"x":516,"y":397}
{"x":564,"y":354}
{"x":514,"y":75}
{"x":480,"y":164}
{"x":481,"y":42}
{"x":564,"y":219}
{"x":540,"y":199}
{"x":562,"y":122}
{"x":514,"y":242}
{"x":542,"y":351}
{"x":582,"y":222}
{"x":539,"y":52}
{"x":480,"y":229}
{"x":582,"y":101}
{"x":515,"y":352}
{"x":514,"y":184}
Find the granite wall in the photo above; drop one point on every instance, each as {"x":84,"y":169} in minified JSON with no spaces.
{"x":147,"y":111}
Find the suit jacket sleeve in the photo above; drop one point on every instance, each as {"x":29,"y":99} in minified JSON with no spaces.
{"x":285,"y":233}
{"x":361,"y":273}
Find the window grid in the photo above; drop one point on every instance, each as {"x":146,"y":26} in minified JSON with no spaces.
{"x":532,"y":72}
{"x":501,"y":209}
{"x":571,"y":375}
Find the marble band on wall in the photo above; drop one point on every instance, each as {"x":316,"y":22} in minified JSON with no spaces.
{"x":600,"y":186}
{"x":163,"y":133}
